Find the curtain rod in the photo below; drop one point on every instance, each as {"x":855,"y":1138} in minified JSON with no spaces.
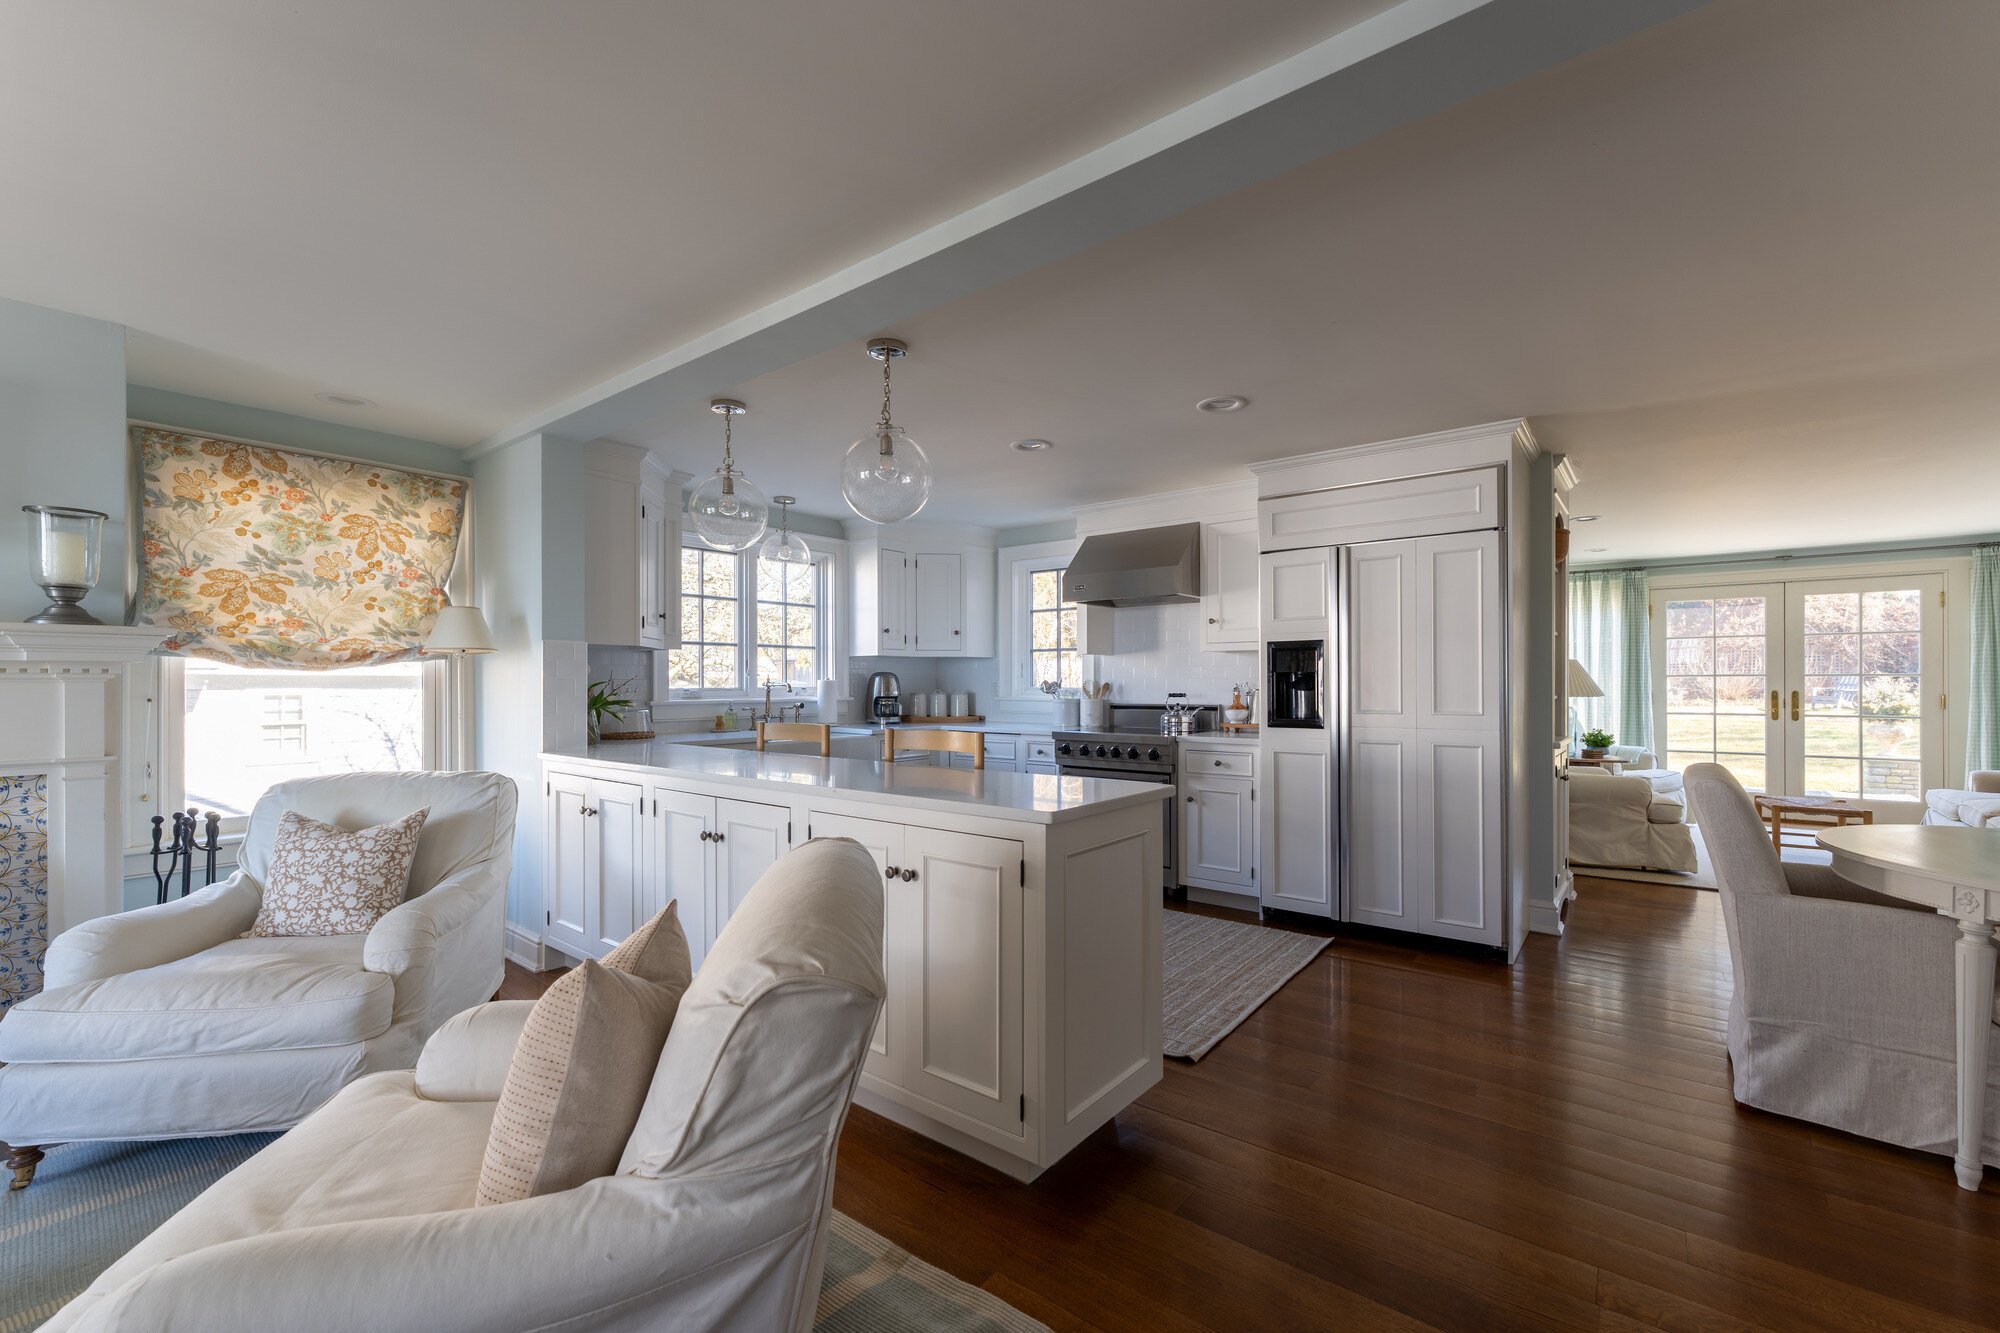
{"x":1788,"y":557}
{"x":303,"y":452}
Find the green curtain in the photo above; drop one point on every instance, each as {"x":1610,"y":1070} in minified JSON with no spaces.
{"x":1608,"y":634}
{"x":1982,"y":729}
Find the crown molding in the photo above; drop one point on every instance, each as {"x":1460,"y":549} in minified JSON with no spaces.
{"x":89,"y":645}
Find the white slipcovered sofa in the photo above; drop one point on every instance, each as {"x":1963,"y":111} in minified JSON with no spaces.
{"x":1976,"y":805}
{"x":1843,"y":1011}
{"x":363,"y":1216}
{"x":1636,"y":820}
{"x":165,"y":1023}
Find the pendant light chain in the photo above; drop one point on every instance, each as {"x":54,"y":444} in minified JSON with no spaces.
{"x":884,"y":426}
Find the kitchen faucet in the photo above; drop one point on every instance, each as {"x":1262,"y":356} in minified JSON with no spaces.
{"x":770,"y":714}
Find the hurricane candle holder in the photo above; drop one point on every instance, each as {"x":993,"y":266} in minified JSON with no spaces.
{"x":64,"y":561}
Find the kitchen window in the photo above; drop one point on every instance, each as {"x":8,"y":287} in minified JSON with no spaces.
{"x":746,"y":621}
{"x":1043,"y":635}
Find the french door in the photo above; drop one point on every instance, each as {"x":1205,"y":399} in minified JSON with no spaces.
{"x":1823,"y":687}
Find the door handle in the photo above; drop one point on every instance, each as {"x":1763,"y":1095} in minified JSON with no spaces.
{"x":1774,"y":705}
{"x":909,"y":875}
{"x":1795,"y":705}
{"x":890,"y":872}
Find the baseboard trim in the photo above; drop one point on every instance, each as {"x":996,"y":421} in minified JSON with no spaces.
{"x":1545,"y":918}
{"x":525,"y":948}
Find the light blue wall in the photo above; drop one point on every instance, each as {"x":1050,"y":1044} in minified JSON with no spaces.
{"x":62,"y":441}
{"x":186,"y":412}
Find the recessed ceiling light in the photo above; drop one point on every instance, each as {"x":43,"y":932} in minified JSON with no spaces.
{"x":1585,"y":518}
{"x":1032,"y":446}
{"x":344,"y":399}
{"x":1227,"y":402}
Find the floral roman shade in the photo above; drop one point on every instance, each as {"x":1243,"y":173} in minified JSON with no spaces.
{"x":264,"y":557}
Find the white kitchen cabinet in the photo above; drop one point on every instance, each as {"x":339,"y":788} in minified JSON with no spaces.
{"x":632,"y":538}
{"x":1039,"y":755}
{"x":707,"y":852}
{"x":1229,"y":584}
{"x":1460,"y":656}
{"x":1461,"y":886}
{"x":1297,"y":824}
{"x":1381,"y":608}
{"x":595,"y":861}
{"x":1385,"y":845}
{"x":919,"y":592}
{"x":1295,"y":594}
{"x":1218,"y":824}
{"x":1459,"y":501}
{"x":952,"y":952}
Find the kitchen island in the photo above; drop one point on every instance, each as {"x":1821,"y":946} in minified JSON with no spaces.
{"x":1021,"y":930}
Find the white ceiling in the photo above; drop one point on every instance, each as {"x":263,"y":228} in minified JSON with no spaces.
{"x":1741,"y":267}
{"x":469,"y":209}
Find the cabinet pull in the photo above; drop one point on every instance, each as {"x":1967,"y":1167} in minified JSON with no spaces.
{"x":719,"y":837}
{"x":890,"y":872}
{"x":591,"y":812}
{"x":1218,"y":763}
{"x":1211,"y":620}
{"x":1190,"y":800}
{"x":706,"y":836}
{"x":909,"y":875}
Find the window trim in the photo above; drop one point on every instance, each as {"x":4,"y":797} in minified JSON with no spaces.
{"x":1017,"y":564}
{"x":829,"y":564}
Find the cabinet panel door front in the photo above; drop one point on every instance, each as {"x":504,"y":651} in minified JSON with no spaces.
{"x":619,"y":826}
{"x":1382,"y":797}
{"x":938,"y":616}
{"x":892,"y":575}
{"x":1229,"y":584}
{"x":1295,"y":598}
{"x":1298,"y":826}
{"x":966,"y":990}
{"x":1218,"y":830}
{"x":1460,"y":640}
{"x":652,"y":572}
{"x":1461,"y":822}
{"x":571,"y":865}
{"x":750,"y":838}
{"x":684,"y":863}
{"x":1381,"y":598}
{"x":900,"y":921}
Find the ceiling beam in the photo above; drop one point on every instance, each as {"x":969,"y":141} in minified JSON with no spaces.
{"x":1412,"y":61}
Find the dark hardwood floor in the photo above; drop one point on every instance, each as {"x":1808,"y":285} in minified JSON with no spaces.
{"x":1406,"y":1139}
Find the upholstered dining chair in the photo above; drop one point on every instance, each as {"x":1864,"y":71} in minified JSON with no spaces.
{"x":167,"y":1022}
{"x":1843,"y":1011}
{"x":716,"y":1219}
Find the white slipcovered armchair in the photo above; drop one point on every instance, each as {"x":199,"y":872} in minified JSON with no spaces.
{"x":363,"y":1216}
{"x":1636,"y":819}
{"x":164,"y":1023}
{"x":1975,"y":805}
{"x":1843,"y":1011}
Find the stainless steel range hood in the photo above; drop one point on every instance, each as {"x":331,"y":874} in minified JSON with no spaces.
{"x":1150,"y":567}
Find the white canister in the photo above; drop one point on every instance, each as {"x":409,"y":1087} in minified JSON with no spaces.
{"x":1096,"y":714}
{"x":1069,"y":712}
{"x":961,"y":704}
{"x":938,"y":701}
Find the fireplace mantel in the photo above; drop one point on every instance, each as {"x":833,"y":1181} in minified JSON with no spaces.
{"x":61,"y":690}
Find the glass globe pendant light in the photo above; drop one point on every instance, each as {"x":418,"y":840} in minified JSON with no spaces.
{"x":727,"y":509}
{"x":885,"y":477}
{"x":781,"y":545}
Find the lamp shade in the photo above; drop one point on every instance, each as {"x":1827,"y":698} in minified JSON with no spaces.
{"x":1581,"y":685}
{"x":460,"y":629}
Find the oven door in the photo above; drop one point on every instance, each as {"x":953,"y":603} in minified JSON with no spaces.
{"x":1170,"y":850}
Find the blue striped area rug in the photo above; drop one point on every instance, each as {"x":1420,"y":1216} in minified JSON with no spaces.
{"x":91,"y":1202}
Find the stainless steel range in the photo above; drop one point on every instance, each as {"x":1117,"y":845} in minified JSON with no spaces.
{"x":1135,"y":750}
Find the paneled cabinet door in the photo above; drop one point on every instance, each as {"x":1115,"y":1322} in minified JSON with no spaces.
{"x":900,"y":931}
{"x":1381,"y":593}
{"x":1461,"y":643}
{"x":1218,"y":832}
{"x":654,"y":630}
{"x":1297,"y":826}
{"x":1295,"y":594}
{"x":1385,"y":847}
{"x":1229,"y":584}
{"x":1460,"y":820}
{"x":616,"y":829}
{"x":571,"y":860}
{"x":683,"y":863}
{"x":937,"y":585}
{"x":749,"y":839}
{"x":962,"y":1007}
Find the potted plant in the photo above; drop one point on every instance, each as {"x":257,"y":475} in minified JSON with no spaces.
{"x":1595,"y":742}
{"x":606,"y":704}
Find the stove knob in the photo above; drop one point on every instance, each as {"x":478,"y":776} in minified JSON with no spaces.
{"x":1064,"y":748}
{"x":1100,"y":752}
{"x":1153,"y":754}
{"x":1117,"y":753}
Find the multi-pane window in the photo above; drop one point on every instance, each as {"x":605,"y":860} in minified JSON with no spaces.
{"x":1863,"y":693}
{"x":787,"y":623}
{"x":1052,"y":642}
{"x":284,"y":724}
{"x":723,"y":595}
{"x":1717,"y":679}
{"x":709,"y":657}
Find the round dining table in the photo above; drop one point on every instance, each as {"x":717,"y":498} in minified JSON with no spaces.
{"x":1954,"y":871}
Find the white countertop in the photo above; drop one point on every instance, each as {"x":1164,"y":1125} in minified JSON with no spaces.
{"x":856,"y":729}
{"x":1031,"y":797}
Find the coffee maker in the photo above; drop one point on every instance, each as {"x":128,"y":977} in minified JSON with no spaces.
{"x":885,"y":697}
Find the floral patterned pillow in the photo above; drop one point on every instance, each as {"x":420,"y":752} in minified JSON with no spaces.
{"x":325,"y":880}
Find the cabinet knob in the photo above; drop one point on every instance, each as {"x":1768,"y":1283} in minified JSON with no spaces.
{"x":1190,"y":800}
{"x":1218,"y":763}
{"x":589,"y":811}
{"x":909,"y":875}
{"x":954,"y":631}
{"x":1211,"y":620}
{"x":719,"y":837}
{"x":885,"y":629}
{"x":890,"y":872}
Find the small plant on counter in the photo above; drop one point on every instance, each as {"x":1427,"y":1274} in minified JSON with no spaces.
{"x":606,"y":703}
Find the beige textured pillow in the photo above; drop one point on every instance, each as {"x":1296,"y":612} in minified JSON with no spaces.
{"x":657,"y":951}
{"x":579,"y":1078}
{"x":325,"y":880}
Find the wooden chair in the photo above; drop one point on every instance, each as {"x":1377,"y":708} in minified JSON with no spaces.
{"x":958,"y":742}
{"x":820,"y":732}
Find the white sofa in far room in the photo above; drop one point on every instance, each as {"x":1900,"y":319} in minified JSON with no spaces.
{"x":1976,"y":805}
{"x":1635,"y":820}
